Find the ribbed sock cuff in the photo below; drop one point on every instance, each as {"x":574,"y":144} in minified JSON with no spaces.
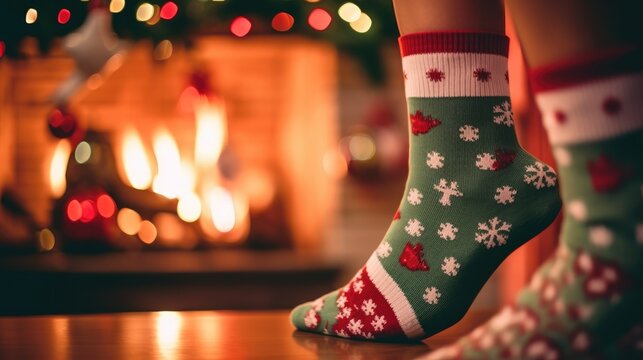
{"x":594,"y":97}
{"x":455,"y":64}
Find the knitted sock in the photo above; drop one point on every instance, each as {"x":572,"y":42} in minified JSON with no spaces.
{"x":585,"y":301}
{"x":473,"y":196}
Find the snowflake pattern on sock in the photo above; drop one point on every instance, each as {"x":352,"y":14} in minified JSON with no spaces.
{"x":384,"y":249}
{"x":503,"y":114}
{"x":432,"y":295}
{"x":365,"y":314}
{"x":505,"y":195}
{"x":434,"y":160}
{"x":493,"y":232}
{"x":414,"y":227}
{"x":447,"y":191}
{"x":414,"y":197}
{"x":450,"y":266}
{"x":469,"y":133}
{"x":485,"y":161}
{"x":447,"y":231}
{"x":540,"y":175}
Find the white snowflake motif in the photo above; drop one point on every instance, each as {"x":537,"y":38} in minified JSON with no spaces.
{"x":469,"y":133}
{"x":431,"y":295}
{"x":414,"y":197}
{"x":540,"y":175}
{"x":311,"y":319}
{"x":450,"y":266}
{"x":344,"y":314}
{"x":505,"y":195}
{"x":447,"y":231}
{"x":384,"y":249}
{"x":414,"y":227}
{"x":341,"y":301}
{"x":358,"y":286}
{"x":504,"y":115}
{"x":435,"y":160}
{"x":447,"y":191}
{"x":355,"y":326}
{"x":368,"y":307}
{"x":485,"y":161}
{"x":318,"y":304}
{"x":378,"y":322}
{"x":493,"y":232}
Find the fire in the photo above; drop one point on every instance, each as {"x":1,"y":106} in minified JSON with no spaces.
{"x":58,"y":168}
{"x":135,"y":161}
{"x":168,"y":181}
{"x":211,"y":134}
{"x":222,"y":209}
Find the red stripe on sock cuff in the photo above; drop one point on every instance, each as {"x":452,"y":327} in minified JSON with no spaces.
{"x":454,"y":42}
{"x":588,"y":68}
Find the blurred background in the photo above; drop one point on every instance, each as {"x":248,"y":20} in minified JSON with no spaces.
{"x":204,"y":154}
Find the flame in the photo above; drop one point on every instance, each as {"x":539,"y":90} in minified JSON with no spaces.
{"x":135,"y":160}
{"x":168,"y":181}
{"x":58,"y":168}
{"x":222,"y":209}
{"x":211,"y":134}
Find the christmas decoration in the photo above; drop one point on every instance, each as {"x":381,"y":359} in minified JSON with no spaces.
{"x":92,"y":46}
{"x":368,"y":25}
{"x":62,"y":123}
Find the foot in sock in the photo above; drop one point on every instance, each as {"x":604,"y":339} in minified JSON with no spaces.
{"x":473,"y":196}
{"x":585,"y":302}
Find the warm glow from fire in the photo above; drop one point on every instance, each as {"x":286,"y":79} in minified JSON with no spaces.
{"x":58,"y":168}
{"x":135,"y":161}
{"x":222,"y":209}
{"x":211,"y":134}
{"x":189,"y":207}
{"x":168,"y":181}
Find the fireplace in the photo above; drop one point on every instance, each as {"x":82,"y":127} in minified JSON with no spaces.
{"x":242,"y":167}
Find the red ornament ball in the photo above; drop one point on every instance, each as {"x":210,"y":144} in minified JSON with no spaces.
{"x":62,"y":123}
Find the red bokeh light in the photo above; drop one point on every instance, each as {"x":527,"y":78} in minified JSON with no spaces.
{"x":89,"y":211}
{"x":63,"y":16}
{"x":283,"y":21}
{"x":319,"y":19}
{"x":2,"y":47}
{"x":240,"y":26}
{"x":74,"y":210}
{"x":106,"y":206}
{"x":169,"y":10}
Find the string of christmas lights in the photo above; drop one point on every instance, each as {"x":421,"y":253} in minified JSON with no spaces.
{"x":359,"y":26}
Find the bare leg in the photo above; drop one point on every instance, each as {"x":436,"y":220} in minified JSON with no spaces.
{"x":552,"y":30}
{"x":443,"y":15}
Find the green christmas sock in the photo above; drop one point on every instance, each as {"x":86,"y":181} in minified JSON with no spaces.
{"x":586,"y":302}
{"x":473,"y":196}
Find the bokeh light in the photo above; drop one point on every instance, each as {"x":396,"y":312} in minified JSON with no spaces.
{"x":361,"y":147}
{"x":163,"y":50}
{"x":46,"y":240}
{"x":189,"y":207}
{"x":144,"y":12}
{"x":63,"y":16}
{"x":106,"y":206}
{"x":240,"y":26}
{"x":363,"y":24}
{"x":83,"y":152}
{"x":88,"y":211}
{"x":116,"y":6}
{"x":74,"y":210}
{"x":169,"y":10}
{"x":147,"y":232}
{"x":319,"y":19}
{"x":129,"y":221}
{"x":283,"y":22}
{"x":31,"y":16}
{"x":349,"y":12}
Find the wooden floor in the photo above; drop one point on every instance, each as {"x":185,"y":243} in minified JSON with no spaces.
{"x":195,"y":335}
